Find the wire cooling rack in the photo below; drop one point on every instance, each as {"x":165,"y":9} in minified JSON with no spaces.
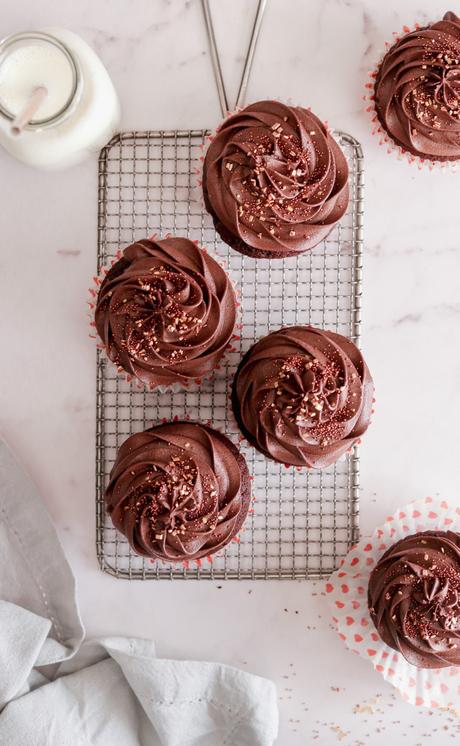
{"x":303,"y":521}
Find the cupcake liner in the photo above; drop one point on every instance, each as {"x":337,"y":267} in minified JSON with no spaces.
{"x":178,"y":386}
{"x":346,"y":591}
{"x":392,"y":148}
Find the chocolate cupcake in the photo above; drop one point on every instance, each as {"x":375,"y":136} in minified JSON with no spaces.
{"x":303,"y":396}
{"x":178,"y":492}
{"x":417,"y":91}
{"x":166,"y":312}
{"x":414,"y":598}
{"x":274,"y":180}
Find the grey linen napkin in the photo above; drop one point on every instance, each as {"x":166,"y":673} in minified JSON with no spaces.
{"x":57,"y":690}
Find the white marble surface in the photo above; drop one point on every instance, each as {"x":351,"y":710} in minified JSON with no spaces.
{"x":316,"y":53}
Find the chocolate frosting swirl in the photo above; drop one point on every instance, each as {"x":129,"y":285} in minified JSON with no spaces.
{"x":303,"y":396}
{"x":178,"y":491}
{"x":276,"y":179}
{"x":166,"y":311}
{"x":414,"y":598}
{"x":417,"y":91}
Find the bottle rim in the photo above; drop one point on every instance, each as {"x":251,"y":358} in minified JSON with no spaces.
{"x":63,"y":112}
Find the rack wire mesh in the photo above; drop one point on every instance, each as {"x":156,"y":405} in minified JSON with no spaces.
{"x":303,"y":521}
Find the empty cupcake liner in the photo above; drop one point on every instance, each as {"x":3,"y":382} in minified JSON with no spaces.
{"x":346,"y":591}
{"x":385,"y":140}
{"x":193,"y":384}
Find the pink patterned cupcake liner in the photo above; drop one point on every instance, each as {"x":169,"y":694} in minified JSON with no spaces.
{"x":346,"y":592}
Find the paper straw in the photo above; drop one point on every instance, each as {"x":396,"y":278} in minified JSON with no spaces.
{"x":25,"y":116}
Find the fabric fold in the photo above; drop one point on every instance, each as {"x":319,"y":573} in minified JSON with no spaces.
{"x":108,"y":692}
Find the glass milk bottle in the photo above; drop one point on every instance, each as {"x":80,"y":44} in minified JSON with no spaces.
{"x":57,"y":101}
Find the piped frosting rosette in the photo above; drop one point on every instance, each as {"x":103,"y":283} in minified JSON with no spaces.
{"x":413,"y":96}
{"x":275,"y":180}
{"x":396,"y":601}
{"x":165,"y":312}
{"x":179,"y":491}
{"x":303,"y":396}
